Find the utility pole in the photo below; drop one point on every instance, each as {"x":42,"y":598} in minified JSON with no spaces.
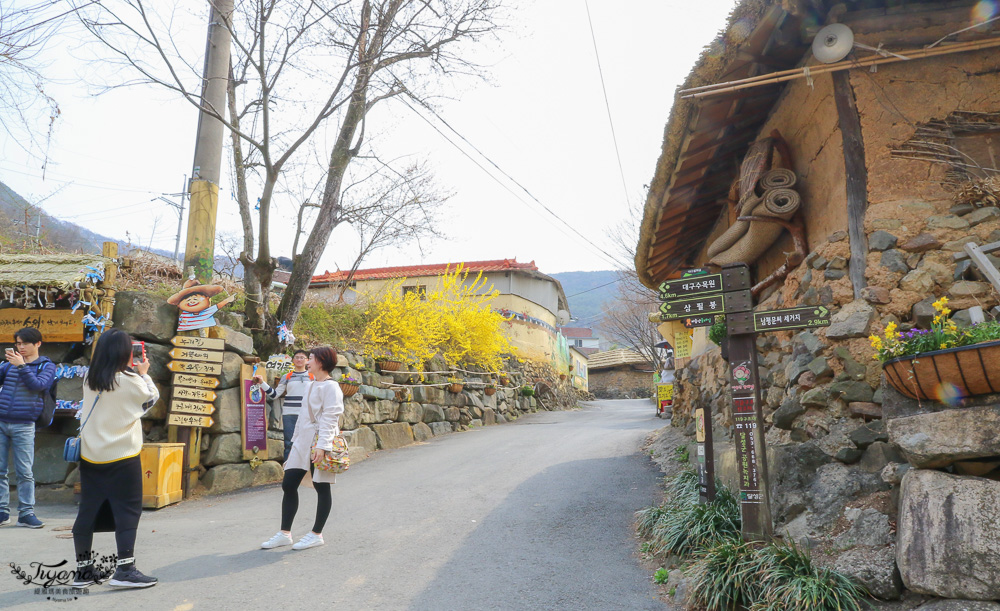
{"x":204,"y":188}
{"x":180,"y":216}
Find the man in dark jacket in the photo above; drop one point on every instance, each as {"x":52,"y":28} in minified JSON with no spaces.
{"x":25,"y":377}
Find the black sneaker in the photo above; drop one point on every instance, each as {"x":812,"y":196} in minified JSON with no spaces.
{"x":130,"y":577}
{"x":86,"y":576}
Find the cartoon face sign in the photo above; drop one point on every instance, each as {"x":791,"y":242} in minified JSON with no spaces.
{"x":195,"y":303}
{"x":741,"y":373}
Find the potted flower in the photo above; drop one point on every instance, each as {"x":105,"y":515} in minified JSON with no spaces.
{"x":360,"y":366}
{"x":386,"y":364}
{"x":527,"y":391}
{"x":504,"y":380}
{"x":348,"y":385}
{"x":490,"y":389}
{"x":455,"y":385}
{"x":942,"y":360}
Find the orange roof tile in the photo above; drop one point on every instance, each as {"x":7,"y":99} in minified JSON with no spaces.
{"x":413,"y":271}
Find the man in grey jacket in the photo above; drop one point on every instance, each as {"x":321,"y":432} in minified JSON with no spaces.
{"x":291,"y":389}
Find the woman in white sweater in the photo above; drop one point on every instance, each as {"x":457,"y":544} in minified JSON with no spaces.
{"x":319,"y":422}
{"x":114,"y":399}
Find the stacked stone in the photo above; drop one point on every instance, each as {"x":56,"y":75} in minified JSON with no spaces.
{"x":896,"y":491}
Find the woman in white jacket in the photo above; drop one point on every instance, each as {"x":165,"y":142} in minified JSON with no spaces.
{"x":318,"y":423}
{"x":114,"y":399}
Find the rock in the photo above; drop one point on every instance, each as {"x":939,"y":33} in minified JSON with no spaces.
{"x":959,"y":605}
{"x":432,"y":413}
{"x":982,"y":215}
{"x":854,"y":369}
{"x":851,"y":390}
{"x":837,"y":236}
{"x":853,"y":320}
{"x":887,"y":224}
{"x":968,"y":288}
{"x":938,"y":439}
{"x":235,"y":341}
{"x":866,"y":435}
{"x":785,"y":415}
{"x":391,"y":436}
{"x":874,"y":568}
{"x":818,"y":263}
{"x":361,"y":442}
{"x":912,"y":260}
{"x":48,"y":466}
{"x":226,"y":478}
{"x":875,"y":294}
{"x":940,"y":273}
{"x":428,"y":395}
{"x":947,"y":542}
{"x":797,"y":367}
{"x":145,"y":316}
{"x":232,"y":365}
{"x":810,"y":297}
{"x":354,"y":407}
{"x":807,"y":380}
{"x":961,"y":209}
{"x":228,"y":416}
{"x":269,"y":472}
{"x":917,"y":281}
{"x":452,"y":414}
{"x":422,"y":432}
{"x":224,"y":449}
{"x":410,"y":412}
{"x":837,"y":263}
{"x":919,"y":207}
{"x":922,"y":313}
{"x":159,"y":356}
{"x":489,"y":417}
{"x":816,"y":397}
{"x":833,"y":274}
{"x":881,"y":240}
{"x":975,"y":468}
{"x":275,"y":448}
{"x":848,"y":456}
{"x":921,"y":243}
{"x":812,"y":342}
{"x":947,"y":221}
{"x":868,"y":527}
{"x":962,"y":318}
{"x":834,"y":485}
{"x":820,"y":368}
{"x":793,"y":468}
{"x":895,"y":261}
{"x":877,"y":456}
{"x":441,"y":428}
{"x":959,"y":244}
{"x":865,"y":409}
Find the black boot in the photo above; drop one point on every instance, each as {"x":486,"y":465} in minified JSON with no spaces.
{"x":127,"y":576}
{"x":86,"y":574}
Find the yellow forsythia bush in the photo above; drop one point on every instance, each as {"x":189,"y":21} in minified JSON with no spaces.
{"x":455,"y":320}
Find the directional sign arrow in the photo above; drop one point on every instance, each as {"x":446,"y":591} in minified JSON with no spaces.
{"x":803,"y":317}
{"x":195,"y":381}
{"x":193,"y":354}
{"x":186,"y":420}
{"x":204,"y":343}
{"x":717,"y":303}
{"x":193,"y":394}
{"x":191,"y":407}
{"x":193,"y":367}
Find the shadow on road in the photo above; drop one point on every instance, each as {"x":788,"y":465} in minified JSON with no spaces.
{"x":560,"y":540}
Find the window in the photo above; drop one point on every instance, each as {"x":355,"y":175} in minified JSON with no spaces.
{"x":419,"y":289}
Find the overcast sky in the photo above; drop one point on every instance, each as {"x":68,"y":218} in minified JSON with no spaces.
{"x":541,"y":117}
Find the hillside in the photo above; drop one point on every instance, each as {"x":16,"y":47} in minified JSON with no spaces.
{"x":587,"y":292}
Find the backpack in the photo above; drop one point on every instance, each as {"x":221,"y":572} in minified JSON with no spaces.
{"x":49,"y":402}
{"x":288,"y":376}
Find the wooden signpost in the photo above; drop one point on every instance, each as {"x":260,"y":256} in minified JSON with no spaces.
{"x":191,"y":407}
{"x":189,"y":420}
{"x":254,"y":429}
{"x":193,"y":394}
{"x":212,"y":369}
{"x":201,"y":343}
{"x":182,"y":379}
{"x":55,"y":325}
{"x":696,"y":299}
{"x":193,"y":354}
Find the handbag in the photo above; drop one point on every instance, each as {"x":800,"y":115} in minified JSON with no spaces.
{"x":71,"y":449}
{"x":336,"y":460}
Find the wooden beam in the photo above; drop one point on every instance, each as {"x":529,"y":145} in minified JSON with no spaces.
{"x":984,"y":265}
{"x":857,"y":177}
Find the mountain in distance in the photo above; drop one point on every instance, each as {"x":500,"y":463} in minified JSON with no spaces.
{"x":587,"y":293}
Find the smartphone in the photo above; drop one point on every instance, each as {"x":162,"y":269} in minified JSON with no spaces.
{"x":9,"y":350}
{"x":138,"y":353}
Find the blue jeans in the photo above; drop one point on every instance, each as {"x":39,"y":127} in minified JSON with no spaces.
{"x":20,"y":436}
{"x":288,"y":424}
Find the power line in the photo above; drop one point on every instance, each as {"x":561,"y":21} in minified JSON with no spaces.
{"x":611,"y":258}
{"x":607,"y":104}
{"x":594,"y":289}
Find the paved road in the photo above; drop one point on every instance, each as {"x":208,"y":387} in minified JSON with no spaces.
{"x":534,"y":514}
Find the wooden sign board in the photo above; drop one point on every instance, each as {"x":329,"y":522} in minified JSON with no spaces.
{"x":717,"y":303}
{"x":191,"y":407}
{"x":682,"y":345}
{"x":212,"y":369}
{"x":735,"y":278}
{"x":54,"y":325}
{"x":193,"y":394}
{"x":201,"y":343}
{"x":189,"y":420}
{"x":253,"y":429}
{"x":804,"y":317}
{"x":191,"y":354}
{"x":181,"y":379}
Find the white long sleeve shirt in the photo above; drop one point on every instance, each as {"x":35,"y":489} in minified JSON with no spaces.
{"x":114,"y":430}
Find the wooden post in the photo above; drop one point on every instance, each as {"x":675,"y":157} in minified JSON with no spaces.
{"x":105,"y":289}
{"x":706,"y":454}
{"x":857,"y":177}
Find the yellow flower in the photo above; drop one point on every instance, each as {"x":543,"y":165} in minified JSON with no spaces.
{"x":890,"y":329}
{"x":876,"y":342}
{"x":944,"y":300}
{"x":944,"y":345}
{"x":945,"y":312}
{"x":937,"y":319}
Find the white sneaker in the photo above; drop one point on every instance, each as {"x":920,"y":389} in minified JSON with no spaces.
{"x":309,"y":540}
{"x":277,"y":540}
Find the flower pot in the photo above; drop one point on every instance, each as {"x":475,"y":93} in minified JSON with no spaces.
{"x":348,"y":389}
{"x":388,"y":365}
{"x":504,"y":381}
{"x":973,"y":370}
{"x":490,"y":391}
{"x":456,"y":388}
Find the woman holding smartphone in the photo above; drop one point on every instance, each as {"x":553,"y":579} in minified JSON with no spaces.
{"x":318,"y":423}
{"x":114,"y":399}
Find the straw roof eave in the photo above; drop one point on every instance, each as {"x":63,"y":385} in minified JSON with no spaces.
{"x":49,"y":271}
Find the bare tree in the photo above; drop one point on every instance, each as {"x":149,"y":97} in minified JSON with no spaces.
{"x":302,"y":68}
{"x":390,"y":209}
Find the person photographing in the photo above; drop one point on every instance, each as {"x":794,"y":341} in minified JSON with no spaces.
{"x":317,"y":425}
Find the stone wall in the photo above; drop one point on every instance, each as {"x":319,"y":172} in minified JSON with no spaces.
{"x":624,"y":382}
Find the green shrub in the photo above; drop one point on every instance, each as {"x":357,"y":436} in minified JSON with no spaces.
{"x":337,"y":325}
{"x":646,"y":519}
{"x":718,"y":331}
{"x":723,"y":577}
{"x":686,"y":526}
{"x":661,"y":576}
{"x":681,"y":454}
{"x":683,"y":488}
{"x":789,"y":581}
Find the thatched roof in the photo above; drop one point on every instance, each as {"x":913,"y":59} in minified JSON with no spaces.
{"x":57,"y":271}
{"x":616,"y":358}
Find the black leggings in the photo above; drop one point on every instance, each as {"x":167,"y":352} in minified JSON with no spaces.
{"x":290,"y":500}
{"x":110,"y":499}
